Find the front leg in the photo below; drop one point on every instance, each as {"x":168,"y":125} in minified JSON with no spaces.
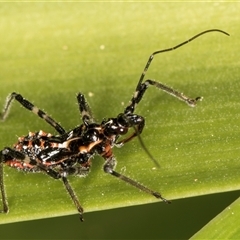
{"x":142,"y":87}
{"x":109,"y":168}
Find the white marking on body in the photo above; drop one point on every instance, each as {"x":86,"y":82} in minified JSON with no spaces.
{"x":70,"y":135}
{"x":85,"y":149}
{"x":31,"y":134}
{"x":64,"y":144}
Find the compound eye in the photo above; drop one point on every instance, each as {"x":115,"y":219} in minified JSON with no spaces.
{"x":123,"y":130}
{"x":122,"y":120}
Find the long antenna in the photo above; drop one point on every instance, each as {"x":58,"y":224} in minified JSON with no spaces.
{"x":173,"y":48}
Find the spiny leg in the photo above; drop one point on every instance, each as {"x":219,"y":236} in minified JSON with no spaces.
{"x":28,"y":105}
{"x":109,"y":168}
{"x":139,"y":92}
{"x":84,"y":109}
{"x":6,"y":155}
{"x":56,"y":175}
{"x":3,"y":192}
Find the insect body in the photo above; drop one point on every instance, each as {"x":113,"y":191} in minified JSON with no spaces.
{"x":70,"y":152}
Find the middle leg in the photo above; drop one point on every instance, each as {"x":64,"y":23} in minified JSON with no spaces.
{"x":109,"y":168}
{"x":63,"y":175}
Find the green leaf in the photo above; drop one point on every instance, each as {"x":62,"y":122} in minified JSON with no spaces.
{"x":52,"y":51}
{"x":224,"y":225}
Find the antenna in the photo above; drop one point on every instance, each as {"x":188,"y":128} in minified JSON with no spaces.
{"x":173,"y":48}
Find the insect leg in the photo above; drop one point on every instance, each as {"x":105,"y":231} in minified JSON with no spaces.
{"x":62,"y":175}
{"x":84,"y":109}
{"x":143,"y":87}
{"x":74,"y":197}
{"x":109,"y":168}
{"x":3,"y":192}
{"x":7,"y":154}
{"x":28,"y":105}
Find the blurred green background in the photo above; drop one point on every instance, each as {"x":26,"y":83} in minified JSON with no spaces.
{"x":37,"y":32}
{"x":151,"y":221}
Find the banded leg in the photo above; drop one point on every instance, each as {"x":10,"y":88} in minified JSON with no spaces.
{"x":109,"y":168}
{"x":28,"y":105}
{"x":84,"y":109}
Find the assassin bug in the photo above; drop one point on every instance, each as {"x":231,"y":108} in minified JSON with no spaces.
{"x":70,"y":152}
